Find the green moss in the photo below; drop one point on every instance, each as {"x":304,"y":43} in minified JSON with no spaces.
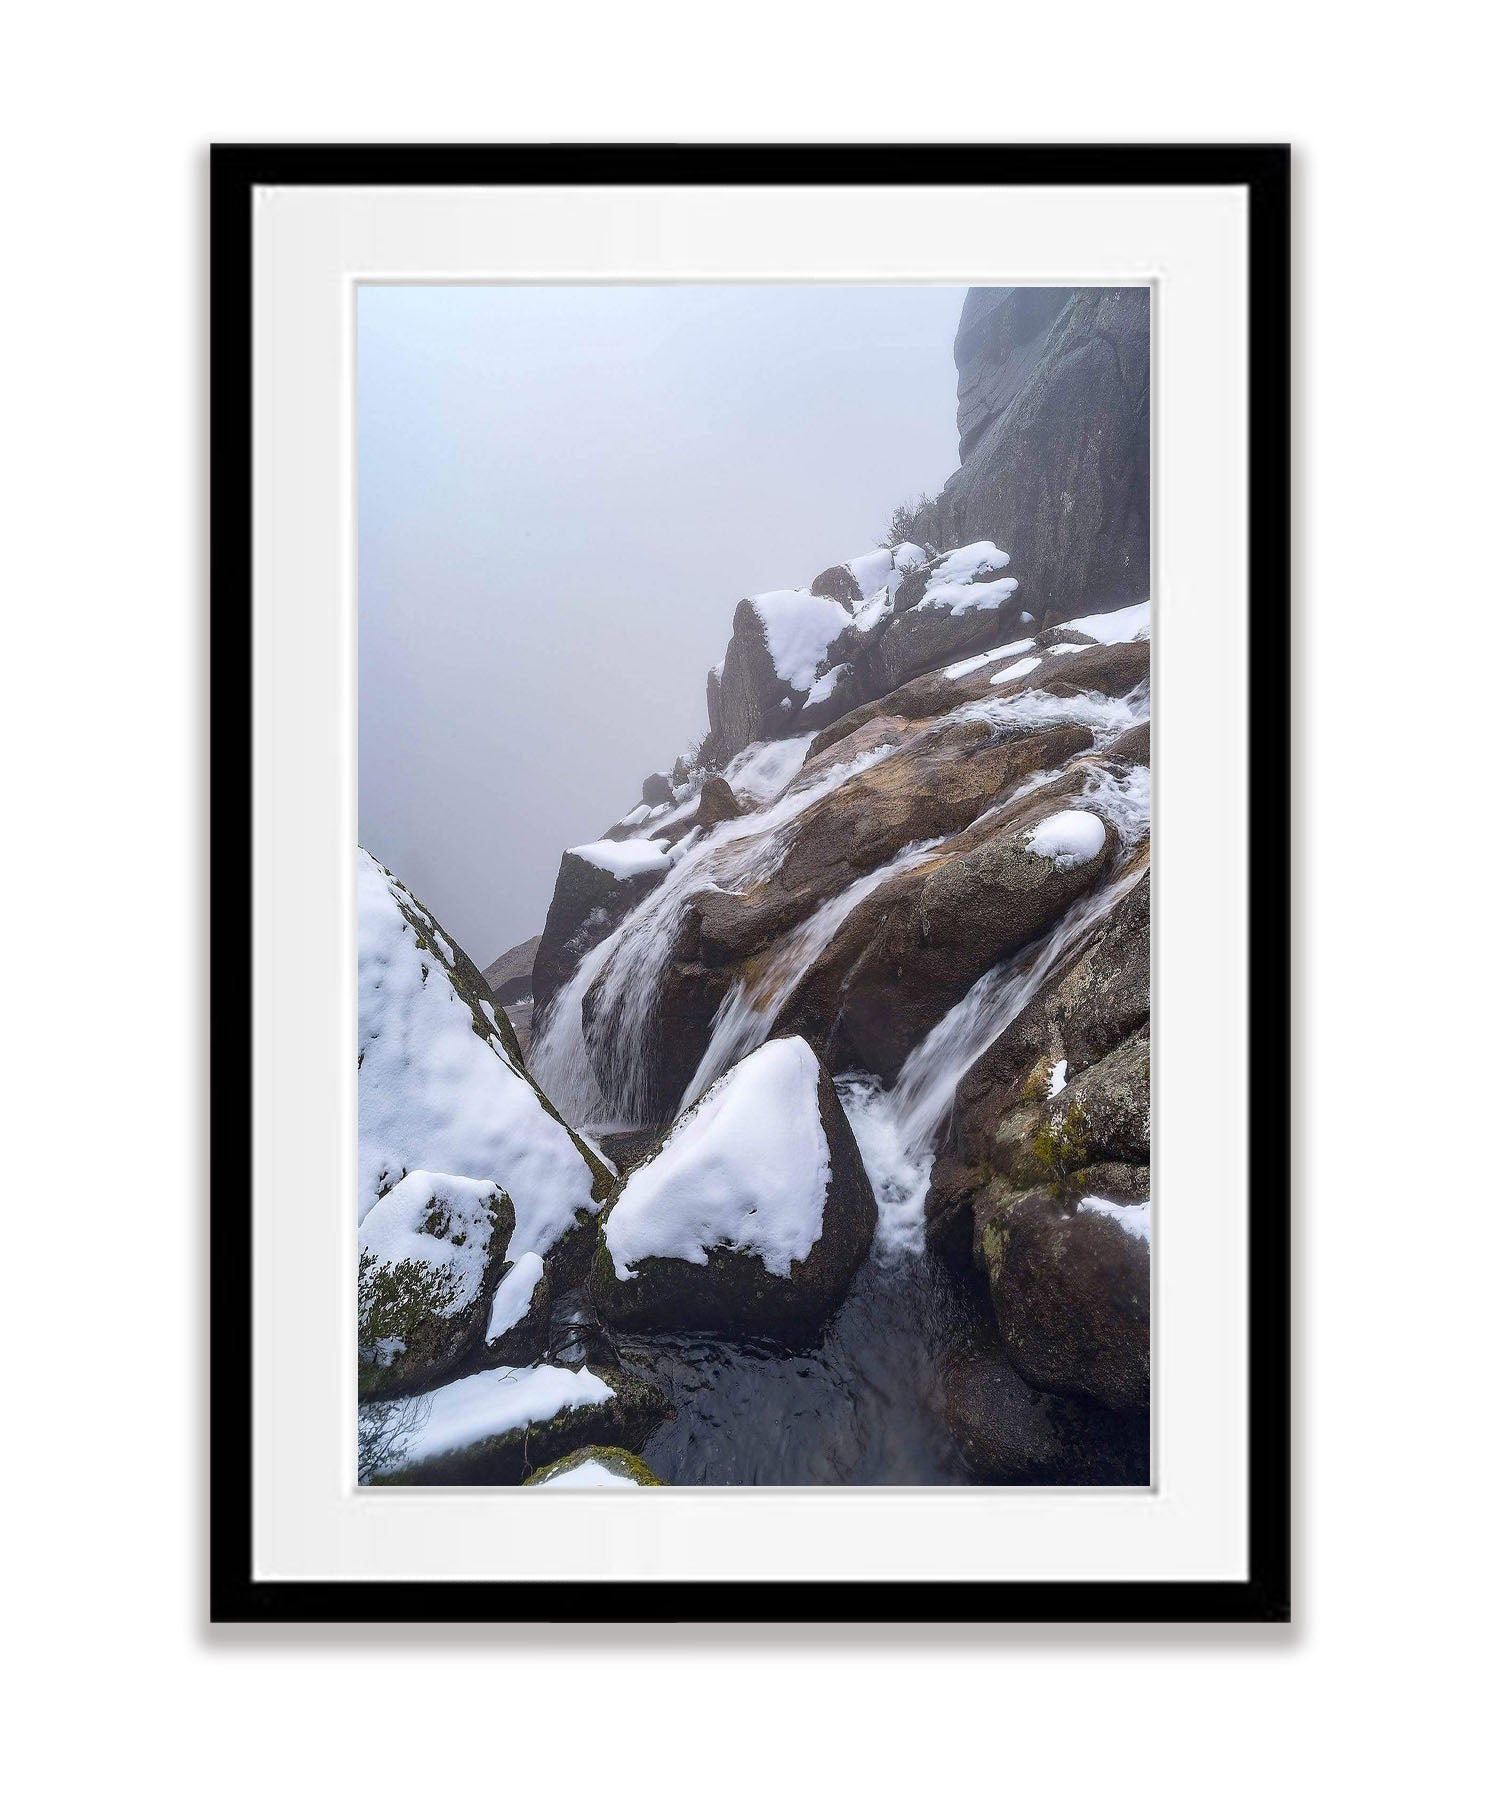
{"x":617,"y":1460}
{"x":397,"y":1299}
{"x":1060,"y":1151}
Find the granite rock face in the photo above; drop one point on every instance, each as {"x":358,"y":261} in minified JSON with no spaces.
{"x":1054,"y":422}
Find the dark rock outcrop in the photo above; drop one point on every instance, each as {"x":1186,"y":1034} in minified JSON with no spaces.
{"x":1072,"y":1294}
{"x":587,"y":903}
{"x":1094,"y":1001}
{"x":1010,"y":1432}
{"x":716,"y":803}
{"x":509,"y":975}
{"x":1054,"y":441}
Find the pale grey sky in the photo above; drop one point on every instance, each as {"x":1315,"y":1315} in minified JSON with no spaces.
{"x":563,"y":492}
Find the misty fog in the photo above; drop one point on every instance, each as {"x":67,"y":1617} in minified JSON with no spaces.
{"x":563,"y":492}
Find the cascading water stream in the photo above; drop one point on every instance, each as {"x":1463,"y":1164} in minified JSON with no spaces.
{"x":598,"y":1080}
{"x":750,"y":1009}
{"x":897,"y":1127}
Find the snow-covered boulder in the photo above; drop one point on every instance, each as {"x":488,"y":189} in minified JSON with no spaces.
{"x":442,"y":1086}
{"x":777,"y":648}
{"x":752,"y":1215}
{"x":596,"y":1466}
{"x":1071,"y":1283}
{"x":496,"y":1426}
{"x":430,"y":1255}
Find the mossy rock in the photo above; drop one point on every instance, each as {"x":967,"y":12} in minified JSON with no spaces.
{"x":613,"y":1457}
{"x":405,"y":1303}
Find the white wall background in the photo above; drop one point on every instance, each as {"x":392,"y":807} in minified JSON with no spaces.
{"x":1380,"y":1686}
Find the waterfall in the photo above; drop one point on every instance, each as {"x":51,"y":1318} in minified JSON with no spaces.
{"x":897,"y":1128}
{"x":750,"y":1009}
{"x":597,"y":1078}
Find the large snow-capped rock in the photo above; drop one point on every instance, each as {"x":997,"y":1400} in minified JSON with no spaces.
{"x":442,"y":1086}
{"x":1054,"y":424}
{"x":929,"y":786}
{"x":752,"y":1215}
{"x":499,"y":1425}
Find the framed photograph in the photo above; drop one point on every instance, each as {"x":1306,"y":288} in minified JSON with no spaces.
{"x":749,"y":698}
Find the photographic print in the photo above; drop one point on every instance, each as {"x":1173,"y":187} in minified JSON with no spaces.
{"x":754,"y":1040}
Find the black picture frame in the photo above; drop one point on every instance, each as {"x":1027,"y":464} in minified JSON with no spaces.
{"x":1263,"y":171}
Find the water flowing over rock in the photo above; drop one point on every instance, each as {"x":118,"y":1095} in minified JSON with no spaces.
{"x":590,"y":896}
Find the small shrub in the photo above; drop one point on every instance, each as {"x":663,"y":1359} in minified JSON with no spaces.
{"x":907,"y":522}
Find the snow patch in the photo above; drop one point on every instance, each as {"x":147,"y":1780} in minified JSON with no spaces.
{"x":822,"y":688}
{"x":1057,"y":1078}
{"x":799,"y":627}
{"x":480,"y":1406}
{"x":512,"y":1299}
{"x":1135,"y":1220}
{"x":1127,"y":626}
{"x":747,"y":1167}
{"x":588,"y":1474}
{"x":955,"y":584}
{"x":1014,"y":671}
{"x":636,"y":856}
{"x":1067,"y":838}
{"x":957,"y":671}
